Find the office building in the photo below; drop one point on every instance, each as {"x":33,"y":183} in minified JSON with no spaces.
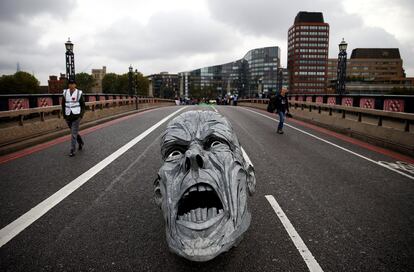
{"x":308,"y":43}
{"x":164,"y":85}
{"x":372,"y":70}
{"x":256,"y":74}
{"x":375,"y":64}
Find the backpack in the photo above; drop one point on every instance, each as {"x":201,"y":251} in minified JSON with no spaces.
{"x":271,"y":106}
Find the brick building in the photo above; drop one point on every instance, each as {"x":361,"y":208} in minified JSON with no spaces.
{"x":56,"y":85}
{"x":371,"y":70}
{"x":308,"y":43}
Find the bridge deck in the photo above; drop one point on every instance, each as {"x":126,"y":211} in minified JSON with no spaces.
{"x":352,"y":213}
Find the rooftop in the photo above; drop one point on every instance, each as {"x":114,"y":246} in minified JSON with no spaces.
{"x":309,"y":17}
{"x":375,"y":53}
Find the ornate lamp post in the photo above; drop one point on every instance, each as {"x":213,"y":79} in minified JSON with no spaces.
{"x":260,"y":87}
{"x":341,"y":75}
{"x":70,"y":60}
{"x":136,"y":82}
{"x":130,"y":80}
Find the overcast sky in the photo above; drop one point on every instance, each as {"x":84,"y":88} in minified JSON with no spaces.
{"x":180,"y":35}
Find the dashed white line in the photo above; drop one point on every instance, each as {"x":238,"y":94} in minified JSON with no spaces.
{"x":335,"y":145}
{"x":307,"y":256}
{"x":14,"y":228}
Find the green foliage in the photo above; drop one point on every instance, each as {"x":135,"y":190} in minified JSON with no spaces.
{"x":109,"y":83}
{"x":123,"y":83}
{"x":118,"y":84}
{"x":84,"y":82}
{"x":142,"y":85}
{"x":19,"y":83}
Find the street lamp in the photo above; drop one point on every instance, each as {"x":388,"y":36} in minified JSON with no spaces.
{"x":136,"y":82}
{"x":70,"y":60}
{"x":130,"y":80}
{"x":341,"y":75}
{"x":260,"y":88}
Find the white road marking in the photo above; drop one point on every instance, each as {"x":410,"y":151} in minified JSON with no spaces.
{"x":246,"y":158}
{"x":307,"y":256}
{"x":214,"y":108}
{"x":335,"y":145}
{"x":11,"y":230}
{"x":404,"y":166}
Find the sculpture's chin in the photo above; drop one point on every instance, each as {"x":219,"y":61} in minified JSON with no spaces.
{"x":205,"y":244}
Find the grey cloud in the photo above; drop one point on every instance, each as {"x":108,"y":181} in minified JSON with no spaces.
{"x":23,"y":9}
{"x":273,"y":19}
{"x":17,"y":36}
{"x":263,"y":17}
{"x":167,"y":35}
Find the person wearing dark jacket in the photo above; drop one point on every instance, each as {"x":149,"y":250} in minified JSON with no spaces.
{"x":282,"y":107}
{"x":73,"y":108}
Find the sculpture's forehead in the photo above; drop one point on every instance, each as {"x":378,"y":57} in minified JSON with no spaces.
{"x":197,"y":125}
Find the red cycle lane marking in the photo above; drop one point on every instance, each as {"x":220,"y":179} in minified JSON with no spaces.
{"x":348,"y":139}
{"x":39,"y":147}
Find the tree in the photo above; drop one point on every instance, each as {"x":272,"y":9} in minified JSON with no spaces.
{"x":142,"y":85}
{"x":7,"y":83}
{"x":109,"y":83}
{"x":84,"y":82}
{"x":19,"y":83}
{"x":118,"y":84}
{"x":123,"y":81}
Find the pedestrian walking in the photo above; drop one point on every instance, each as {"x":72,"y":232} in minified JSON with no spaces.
{"x":282,"y":107}
{"x":235,"y":98}
{"x":73,"y":108}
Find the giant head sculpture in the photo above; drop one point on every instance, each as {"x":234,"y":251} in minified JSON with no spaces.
{"x":203,"y":185}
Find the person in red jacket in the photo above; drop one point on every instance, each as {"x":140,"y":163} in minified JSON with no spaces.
{"x":73,"y":108}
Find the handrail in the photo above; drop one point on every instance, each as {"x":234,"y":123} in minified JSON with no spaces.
{"x":48,"y":109}
{"x":383,"y":113}
{"x":379,"y":113}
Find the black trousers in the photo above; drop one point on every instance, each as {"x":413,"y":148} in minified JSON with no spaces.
{"x":74,"y":131}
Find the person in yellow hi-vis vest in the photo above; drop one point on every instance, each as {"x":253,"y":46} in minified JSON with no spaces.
{"x":73,"y":108}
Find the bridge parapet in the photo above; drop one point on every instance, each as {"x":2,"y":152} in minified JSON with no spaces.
{"x":398,"y":103}
{"x":391,"y":129}
{"x":23,"y":123}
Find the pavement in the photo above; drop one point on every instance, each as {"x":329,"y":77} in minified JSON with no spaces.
{"x":351,"y":212}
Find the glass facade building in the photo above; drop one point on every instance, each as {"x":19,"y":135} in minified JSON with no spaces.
{"x":253,"y":75}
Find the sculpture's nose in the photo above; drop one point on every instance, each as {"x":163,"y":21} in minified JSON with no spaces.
{"x":193,"y":159}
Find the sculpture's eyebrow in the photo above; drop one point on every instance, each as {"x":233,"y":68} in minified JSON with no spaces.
{"x":176,"y":137}
{"x":215,"y":130}
{"x":176,"y":133}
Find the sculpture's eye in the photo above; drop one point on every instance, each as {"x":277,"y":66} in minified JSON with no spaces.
{"x":215,"y":142}
{"x":174,"y":155}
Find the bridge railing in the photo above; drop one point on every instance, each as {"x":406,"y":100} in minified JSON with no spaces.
{"x":406,"y":118}
{"x":30,"y":113}
{"x":390,"y":129}
{"x":21,"y":128}
{"x":396,"y":103}
{"x":28,"y":101}
{"x":360,"y":113}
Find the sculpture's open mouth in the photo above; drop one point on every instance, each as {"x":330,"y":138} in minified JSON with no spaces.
{"x":200,"y":207}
